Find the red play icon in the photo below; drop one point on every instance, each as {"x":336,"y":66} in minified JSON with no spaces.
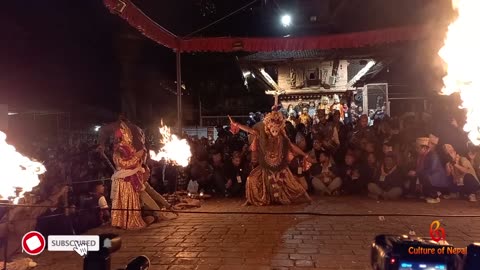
{"x":33,"y":243}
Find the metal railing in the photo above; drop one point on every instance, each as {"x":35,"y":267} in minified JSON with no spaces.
{"x":216,"y":120}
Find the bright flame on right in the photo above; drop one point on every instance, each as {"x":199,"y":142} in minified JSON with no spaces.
{"x":461,"y":54}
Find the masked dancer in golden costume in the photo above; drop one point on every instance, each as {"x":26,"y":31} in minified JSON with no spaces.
{"x":272,"y":182}
{"x":127,"y":181}
{"x":130,"y":156}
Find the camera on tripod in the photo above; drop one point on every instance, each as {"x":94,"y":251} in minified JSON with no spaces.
{"x":101,"y":260}
{"x":394,"y":252}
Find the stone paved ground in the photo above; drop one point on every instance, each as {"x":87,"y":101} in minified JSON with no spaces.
{"x":282,"y":241}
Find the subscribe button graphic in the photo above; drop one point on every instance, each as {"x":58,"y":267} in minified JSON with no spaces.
{"x":33,"y":243}
{"x":68,"y":242}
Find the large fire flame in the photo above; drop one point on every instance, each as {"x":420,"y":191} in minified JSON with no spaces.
{"x":460,"y":53}
{"x":174,"y":150}
{"x":19,"y":173}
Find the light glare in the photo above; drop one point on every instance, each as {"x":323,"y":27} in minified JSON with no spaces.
{"x":286,"y":20}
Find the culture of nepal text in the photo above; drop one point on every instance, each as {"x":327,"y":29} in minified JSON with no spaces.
{"x":438,"y":251}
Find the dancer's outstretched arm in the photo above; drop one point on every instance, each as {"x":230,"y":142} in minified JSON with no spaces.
{"x":299,"y":152}
{"x":243,"y":127}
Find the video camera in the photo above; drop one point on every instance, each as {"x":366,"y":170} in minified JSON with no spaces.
{"x":101,"y":260}
{"x":393,"y":252}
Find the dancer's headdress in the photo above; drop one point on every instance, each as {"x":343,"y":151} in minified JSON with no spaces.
{"x":274,"y":119}
{"x":124,"y":134}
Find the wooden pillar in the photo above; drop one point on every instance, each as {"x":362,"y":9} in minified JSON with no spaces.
{"x":179,"y":93}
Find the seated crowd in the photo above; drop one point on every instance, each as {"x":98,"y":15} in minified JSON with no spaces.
{"x":370,"y":157}
{"x":382,"y":158}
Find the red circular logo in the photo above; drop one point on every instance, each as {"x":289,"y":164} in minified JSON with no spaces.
{"x":33,"y":243}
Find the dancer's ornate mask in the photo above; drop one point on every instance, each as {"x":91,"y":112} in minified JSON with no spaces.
{"x":274,"y":123}
{"x":123,"y":134}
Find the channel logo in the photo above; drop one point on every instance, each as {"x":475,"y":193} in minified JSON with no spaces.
{"x":437,"y":233}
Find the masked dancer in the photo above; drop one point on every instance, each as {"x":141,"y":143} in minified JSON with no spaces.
{"x":128,"y":179}
{"x":272,"y":182}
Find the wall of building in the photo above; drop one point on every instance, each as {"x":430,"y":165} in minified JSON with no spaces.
{"x":3,"y":117}
{"x":313,"y":76}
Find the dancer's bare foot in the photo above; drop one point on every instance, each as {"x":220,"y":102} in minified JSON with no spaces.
{"x":246,"y":204}
{"x":309,"y":200}
{"x":149,"y":220}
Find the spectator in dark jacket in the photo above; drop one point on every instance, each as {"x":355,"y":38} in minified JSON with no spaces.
{"x":219,"y":179}
{"x":326,"y":178}
{"x":387,"y":183}
{"x":353,"y":181}
{"x":202,"y":172}
{"x":236,"y":175}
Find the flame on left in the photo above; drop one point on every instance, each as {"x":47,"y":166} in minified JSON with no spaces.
{"x":18,"y":171}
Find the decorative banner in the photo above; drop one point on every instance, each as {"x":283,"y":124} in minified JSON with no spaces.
{"x":338,"y":41}
{"x":136,"y":18}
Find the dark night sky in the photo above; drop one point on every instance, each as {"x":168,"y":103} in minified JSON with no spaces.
{"x":60,"y":53}
{"x":57,"y":53}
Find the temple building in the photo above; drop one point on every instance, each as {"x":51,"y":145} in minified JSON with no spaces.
{"x":315,"y":77}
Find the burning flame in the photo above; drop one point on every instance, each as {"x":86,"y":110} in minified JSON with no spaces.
{"x":174,"y":150}
{"x":18,"y":172}
{"x":460,"y":53}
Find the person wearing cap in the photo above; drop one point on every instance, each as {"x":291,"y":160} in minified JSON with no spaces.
{"x":387,"y":183}
{"x":463,"y":175}
{"x":433,"y":177}
{"x":421,"y":147}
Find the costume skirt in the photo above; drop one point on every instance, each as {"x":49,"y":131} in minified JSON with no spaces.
{"x":126,"y":198}
{"x":266,"y":187}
